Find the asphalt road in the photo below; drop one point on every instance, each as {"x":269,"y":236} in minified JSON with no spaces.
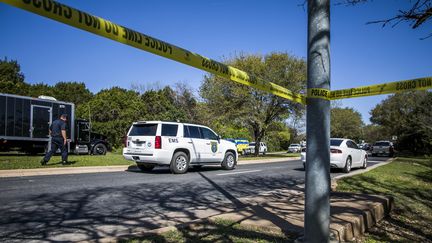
{"x":90,"y":206}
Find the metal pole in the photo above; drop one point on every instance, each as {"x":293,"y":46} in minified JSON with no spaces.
{"x":317,"y":201}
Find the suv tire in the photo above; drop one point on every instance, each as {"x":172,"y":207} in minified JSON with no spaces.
{"x":179,"y":163}
{"x":145,"y":167}
{"x":229,"y":162}
{"x":347,"y":167}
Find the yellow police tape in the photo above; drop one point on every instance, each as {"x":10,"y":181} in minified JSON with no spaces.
{"x":377,"y":89}
{"x":105,"y":28}
{"x":386,"y":88}
{"x":318,"y":93}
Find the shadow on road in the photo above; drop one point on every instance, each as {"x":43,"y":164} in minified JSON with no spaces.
{"x":166,"y":170}
{"x":98,"y":212}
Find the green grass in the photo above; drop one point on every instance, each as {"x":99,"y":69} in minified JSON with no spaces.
{"x":409,"y":181}
{"x":219,"y":230}
{"x":269,"y":156}
{"x":18,"y":161}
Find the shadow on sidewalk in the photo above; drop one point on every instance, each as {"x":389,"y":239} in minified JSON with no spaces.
{"x":258,"y":210}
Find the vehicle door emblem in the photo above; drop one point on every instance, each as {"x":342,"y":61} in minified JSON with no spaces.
{"x":214,"y":147}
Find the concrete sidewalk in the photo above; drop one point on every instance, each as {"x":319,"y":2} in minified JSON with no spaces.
{"x":283,"y":210}
{"x":351,"y":214}
{"x":101,"y":169}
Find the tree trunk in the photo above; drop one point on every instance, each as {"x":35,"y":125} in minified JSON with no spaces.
{"x":257,"y":136}
{"x":258,"y":139}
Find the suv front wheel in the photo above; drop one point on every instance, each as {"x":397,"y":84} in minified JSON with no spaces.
{"x":229,"y":161}
{"x":179,"y":163}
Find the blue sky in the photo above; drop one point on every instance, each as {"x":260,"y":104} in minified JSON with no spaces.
{"x":361,"y":54}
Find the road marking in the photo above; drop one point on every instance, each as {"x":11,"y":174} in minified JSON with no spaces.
{"x":238,"y":172}
{"x":279,"y":167}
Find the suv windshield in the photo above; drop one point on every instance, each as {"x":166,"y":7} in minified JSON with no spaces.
{"x":382,"y":144}
{"x":143,"y":130}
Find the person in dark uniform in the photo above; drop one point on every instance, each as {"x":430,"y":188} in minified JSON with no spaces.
{"x":58,"y":139}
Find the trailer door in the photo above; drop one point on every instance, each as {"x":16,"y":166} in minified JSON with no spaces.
{"x":40,"y":120}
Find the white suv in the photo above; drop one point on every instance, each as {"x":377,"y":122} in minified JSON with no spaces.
{"x":178,"y":145}
{"x":251,"y":148}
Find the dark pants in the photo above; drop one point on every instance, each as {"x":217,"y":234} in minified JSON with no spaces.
{"x":56,"y":143}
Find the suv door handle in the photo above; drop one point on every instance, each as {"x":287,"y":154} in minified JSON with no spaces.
{"x":190,"y":142}
{"x":208,"y":143}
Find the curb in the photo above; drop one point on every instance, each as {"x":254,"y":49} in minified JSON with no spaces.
{"x":333,"y":181}
{"x":62,"y":171}
{"x":103,"y":169}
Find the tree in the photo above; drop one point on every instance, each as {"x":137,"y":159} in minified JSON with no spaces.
{"x":346,"y":123}
{"x":162,"y":105}
{"x":278,"y":136}
{"x":186,"y":101}
{"x":36,"y":90}
{"x":409,"y":117}
{"x":372,"y":133}
{"x":251,"y":108}
{"x":112,"y":112}
{"x":419,"y":13}
{"x":11,"y":78}
{"x":74,"y":92}
{"x":297,"y":128}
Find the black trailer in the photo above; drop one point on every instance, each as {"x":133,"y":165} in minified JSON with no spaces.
{"x":25,"y":121}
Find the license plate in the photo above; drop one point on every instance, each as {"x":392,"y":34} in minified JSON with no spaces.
{"x":139,"y":150}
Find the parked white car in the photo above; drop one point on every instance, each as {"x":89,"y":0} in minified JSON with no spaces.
{"x":344,"y":154}
{"x":178,"y":145}
{"x":294,"y":148}
{"x":251,"y":148}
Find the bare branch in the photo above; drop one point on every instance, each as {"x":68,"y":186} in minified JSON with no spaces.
{"x":418,"y":14}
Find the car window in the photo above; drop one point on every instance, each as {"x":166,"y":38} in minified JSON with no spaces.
{"x":208,"y":134}
{"x":194,"y":132}
{"x":251,"y":144}
{"x":353,"y":145}
{"x":335,"y":142}
{"x":143,"y":130}
{"x":169,"y":130}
